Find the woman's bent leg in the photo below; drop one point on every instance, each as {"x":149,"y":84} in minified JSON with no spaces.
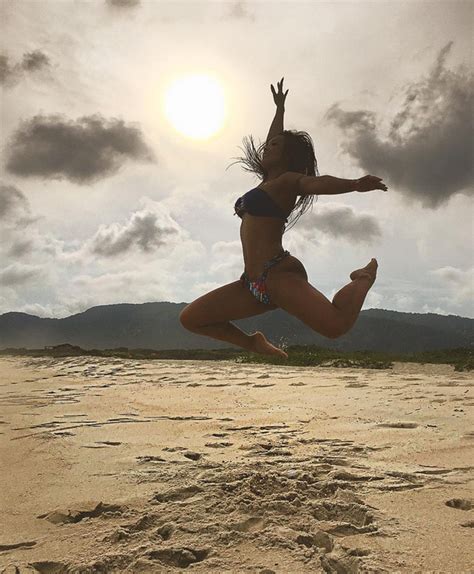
{"x":226,"y":331}
{"x":211,"y":315}
{"x":350,"y":298}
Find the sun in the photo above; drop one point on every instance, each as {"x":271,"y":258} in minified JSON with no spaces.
{"x":195,"y":106}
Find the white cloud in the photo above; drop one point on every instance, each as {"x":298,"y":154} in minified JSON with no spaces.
{"x":341,"y":222}
{"x":147,"y":230}
{"x":18,"y":274}
{"x":459,"y":282}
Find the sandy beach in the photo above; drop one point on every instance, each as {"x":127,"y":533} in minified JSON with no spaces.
{"x":112,"y":465}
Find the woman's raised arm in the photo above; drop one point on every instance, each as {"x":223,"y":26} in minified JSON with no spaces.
{"x":279,"y":99}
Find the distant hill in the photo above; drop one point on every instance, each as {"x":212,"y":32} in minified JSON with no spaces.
{"x":156,"y":326}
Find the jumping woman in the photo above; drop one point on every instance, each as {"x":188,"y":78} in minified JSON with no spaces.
{"x":272,"y":278}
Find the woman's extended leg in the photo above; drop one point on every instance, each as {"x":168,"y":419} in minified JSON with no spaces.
{"x":292,"y":293}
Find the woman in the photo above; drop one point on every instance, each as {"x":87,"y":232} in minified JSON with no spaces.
{"x":272,"y":277}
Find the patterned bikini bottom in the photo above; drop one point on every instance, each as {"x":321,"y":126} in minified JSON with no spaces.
{"x":258,"y":287}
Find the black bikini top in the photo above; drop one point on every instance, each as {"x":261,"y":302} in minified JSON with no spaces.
{"x":258,"y":202}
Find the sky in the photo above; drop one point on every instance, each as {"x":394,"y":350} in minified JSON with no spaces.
{"x":103,"y":200}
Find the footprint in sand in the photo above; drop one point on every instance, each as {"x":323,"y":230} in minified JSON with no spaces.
{"x":461,"y":503}
{"x":47,"y":567}
{"x":468,"y":524}
{"x":102,"y":444}
{"x":355,"y":518}
{"x":179,"y":557}
{"x":176,"y":494}
{"x":192,"y":455}
{"x":150,"y":458}
{"x":398,"y":425}
{"x":74,"y":516}
{"x":5,"y":547}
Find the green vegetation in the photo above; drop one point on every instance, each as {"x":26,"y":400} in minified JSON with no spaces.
{"x":298,"y":355}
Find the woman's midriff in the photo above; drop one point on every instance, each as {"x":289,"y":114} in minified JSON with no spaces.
{"x":261,"y":241}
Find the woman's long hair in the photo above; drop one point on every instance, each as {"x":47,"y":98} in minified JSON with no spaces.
{"x":299,"y":154}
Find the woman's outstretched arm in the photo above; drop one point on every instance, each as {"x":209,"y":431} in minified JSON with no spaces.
{"x":330,"y":185}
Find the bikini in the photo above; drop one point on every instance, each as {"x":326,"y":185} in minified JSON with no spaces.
{"x":258,"y":202}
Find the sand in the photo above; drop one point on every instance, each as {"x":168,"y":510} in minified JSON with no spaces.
{"x":112,"y":465}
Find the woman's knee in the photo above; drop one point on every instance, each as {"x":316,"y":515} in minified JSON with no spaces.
{"x":185,"y":318}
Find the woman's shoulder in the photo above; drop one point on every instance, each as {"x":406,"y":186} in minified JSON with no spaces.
{"x":287,"y":183}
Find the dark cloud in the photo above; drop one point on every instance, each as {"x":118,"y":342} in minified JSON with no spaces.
{"x":428,"y":153}
{"x":15,"y":217}
{"x":82,"y":151}
{"x":122,"y":3}
{"x":17,"y":274}
{"x":4,"y":68}
{"x":341,"y":222}
{"x":34,"y":61}
{"x":20,"y":248}
{"x":141,"y":231}
{"x":10,"y":75}
{"x":14,"y":207}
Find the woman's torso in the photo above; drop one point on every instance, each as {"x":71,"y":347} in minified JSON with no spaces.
{"x":261,"y":236}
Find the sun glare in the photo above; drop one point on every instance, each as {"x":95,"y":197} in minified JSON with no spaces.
{"x":195,"y":106}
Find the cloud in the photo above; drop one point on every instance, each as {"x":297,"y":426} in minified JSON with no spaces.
{"x":4,"y":69}
{"x":122,"y":3}
{"x":20,"y":248}
{"x":18,"y":234}
{"x":14,"y":207}
{"x":34,"y":61}
{"x":341,"y":221}
{"x":460,"y":282}
{"x":143,"y":230}
{"x":31,"y":62}
{"x":12,"y":201}
{"x":17,"y":274}
{"x":82,"y":151}
{"x":226,"y":259}
{"x":428,"y":153}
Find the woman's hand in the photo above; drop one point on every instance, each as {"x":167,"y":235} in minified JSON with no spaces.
{"x":370,"y":182}
{"x":279,"y":98}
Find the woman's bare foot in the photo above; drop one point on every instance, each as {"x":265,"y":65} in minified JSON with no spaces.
{"x":369,"y":271}
{"x":264,"y":347}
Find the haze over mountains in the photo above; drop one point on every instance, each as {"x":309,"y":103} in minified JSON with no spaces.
{"x":157,"y":326}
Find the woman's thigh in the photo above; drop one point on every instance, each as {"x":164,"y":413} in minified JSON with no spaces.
{"x":292,"y":293}
{"x":227,"y":303}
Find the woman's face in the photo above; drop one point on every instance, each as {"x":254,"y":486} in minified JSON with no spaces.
{"x":274,"y":151}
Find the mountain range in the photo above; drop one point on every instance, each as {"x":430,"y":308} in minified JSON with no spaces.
{"x":156,"y":326}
